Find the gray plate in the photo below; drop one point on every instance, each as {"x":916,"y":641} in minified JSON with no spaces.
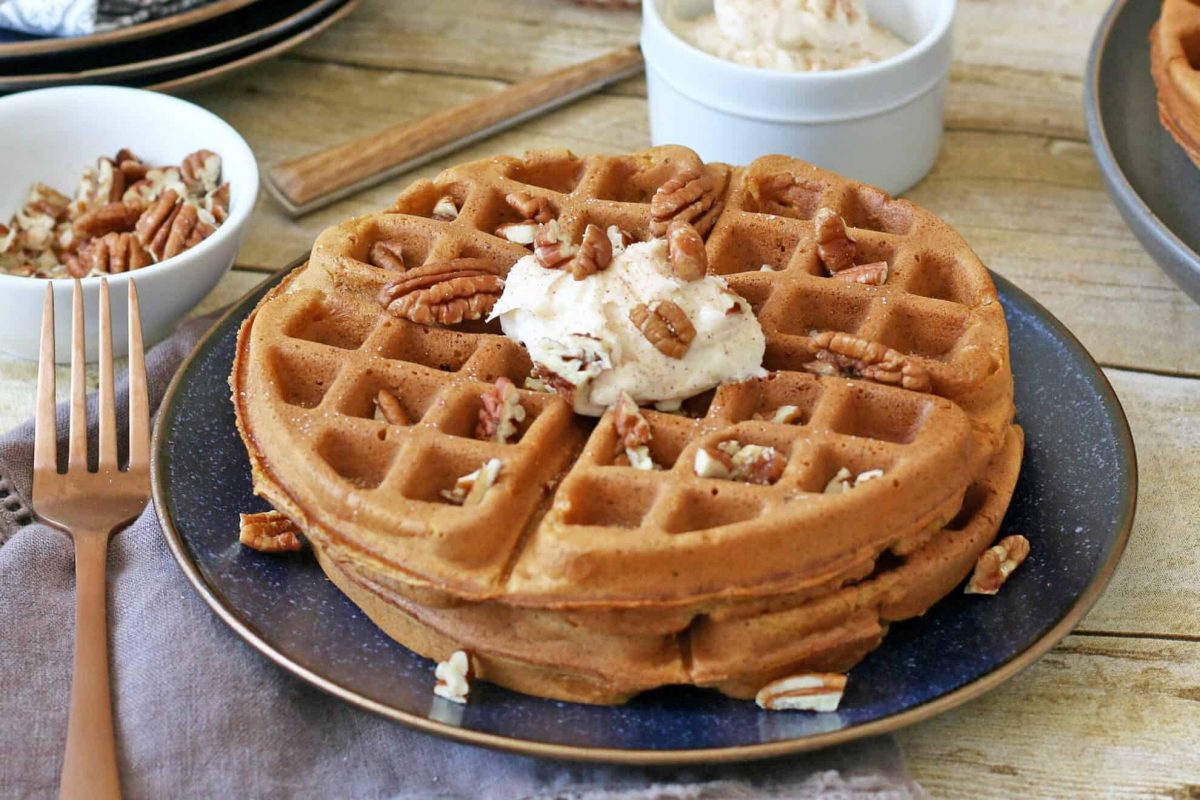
{"x":1152,"y":182}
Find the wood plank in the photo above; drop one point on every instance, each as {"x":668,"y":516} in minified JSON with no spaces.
{"x":1098,"y":716}
{"x":1032,"y":206}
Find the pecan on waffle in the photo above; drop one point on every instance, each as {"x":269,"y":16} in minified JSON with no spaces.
{"x":1175,"y":65}
{"x":571,"y":573}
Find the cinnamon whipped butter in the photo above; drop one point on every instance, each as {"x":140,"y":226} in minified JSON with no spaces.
{"x":789,"y":35}
{"x":580,"y":331}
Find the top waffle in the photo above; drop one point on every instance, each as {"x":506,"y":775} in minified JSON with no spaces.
{"x":1174,"y":58}
{"x":565,"y":526}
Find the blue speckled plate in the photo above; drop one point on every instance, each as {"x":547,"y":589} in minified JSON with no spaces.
{"x":1075,"y":501}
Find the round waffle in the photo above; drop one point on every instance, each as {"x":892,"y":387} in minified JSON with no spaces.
{"x":1174,"y":59}
{"x":583,"y":579}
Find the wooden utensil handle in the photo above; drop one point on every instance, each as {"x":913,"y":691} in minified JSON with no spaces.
{"x":317,"y":175}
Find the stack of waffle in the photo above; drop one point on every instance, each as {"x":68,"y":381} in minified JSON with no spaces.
{"x":578,"y":576}
{"x":1175,"y":64}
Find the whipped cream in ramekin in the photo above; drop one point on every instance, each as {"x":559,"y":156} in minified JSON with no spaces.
{"x":580,"y":330}
{"x":790,"y":35}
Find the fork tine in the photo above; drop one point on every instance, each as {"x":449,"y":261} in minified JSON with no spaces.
{"x":139,"y":401}
{"x":44,"y":446}
{"x":77,"y":453}
{"x":108,"y":410}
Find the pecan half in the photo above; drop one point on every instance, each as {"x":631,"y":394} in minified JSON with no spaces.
{"x":386,"y":255}
{"x":806,"y":692}
{"x":532,"y":207}
{"x":854,"y":357}
{"x":112,"y":253}
{"x":685,"y":251}
{"x":201,"y":172}
{"x":217,"y":203}
{"x":269,"y":532}
{"x":665,"y":325}
{"x":633,"y":435}
{"x":119,"y":216}
{"x":595,"y":253}
{"x":689,"y":196}
{"x":874,"y":274}
{"x":550,"y":247}
{"x":171,"y":226}
{"x":444,"y":292}
{"x":996,"y":564}
{"x":388,"y":406}
{"x":835,"y":247}
{"x":501,"y":413}
{"x":132,"y":167}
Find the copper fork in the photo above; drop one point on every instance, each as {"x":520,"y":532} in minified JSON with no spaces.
{"x":91,"y":506}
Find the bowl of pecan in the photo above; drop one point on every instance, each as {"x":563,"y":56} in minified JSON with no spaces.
{"x":116,"y":184}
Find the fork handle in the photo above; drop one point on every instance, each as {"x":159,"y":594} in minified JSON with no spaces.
{"x":90,"y":764}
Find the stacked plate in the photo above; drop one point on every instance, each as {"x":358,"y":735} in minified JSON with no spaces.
{"x":171,"y":53}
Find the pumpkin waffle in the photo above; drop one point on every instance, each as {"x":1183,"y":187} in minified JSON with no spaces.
{"x":579,"y":577}
{"x":1175,"y":65}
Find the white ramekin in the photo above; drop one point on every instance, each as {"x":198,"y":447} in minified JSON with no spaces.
{"x":880,"y":123}
{"x":49,"y":136}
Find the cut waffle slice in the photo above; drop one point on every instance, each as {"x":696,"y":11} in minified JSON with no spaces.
{"x":567,"y":528}
{"x":1175,"y":65}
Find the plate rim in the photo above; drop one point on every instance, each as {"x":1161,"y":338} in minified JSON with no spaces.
{"x":132,"y":69}
{"x":1137,"y":214}
{"x":963,"y":694}
{"x":50,"y":45}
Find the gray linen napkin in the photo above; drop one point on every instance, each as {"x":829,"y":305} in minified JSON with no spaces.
{"x":81,"y":17}
{"x":200,"y":714}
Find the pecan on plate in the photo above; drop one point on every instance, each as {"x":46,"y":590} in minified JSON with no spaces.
{"x":386,"y":255}
{"x":835,"y":247}
{"x":874,"y":274}
{"x":501,"y":413}
{"x":633,"y":435}
{"x":201,"y":172}
{"x":855,"y":357}
{"x":269,"y":532}
{"x":533,"y":208}
{"x":454,"y":677}
{"x":996,"y":564}
{"x":685,"y":251}
{"x":112,"y":253}
{"x":388,"y":406}
{"x":807,"y":692}
{"x":689,"y":196}
{"x":665,"y":325}
{"x":444,"y":292}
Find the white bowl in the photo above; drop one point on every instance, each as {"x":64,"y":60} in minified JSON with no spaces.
{"x":49,"y":136}
{"x":880,"y":123}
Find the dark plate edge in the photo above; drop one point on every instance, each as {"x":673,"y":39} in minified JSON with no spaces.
{"x":959,"y":696}
{"x":1178,"y":260}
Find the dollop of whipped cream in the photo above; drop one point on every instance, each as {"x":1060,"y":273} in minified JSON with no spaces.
{"x":790,"y":35}
{"x":580,"y":332}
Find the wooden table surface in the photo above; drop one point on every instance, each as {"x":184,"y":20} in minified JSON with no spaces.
{"x":1113,"y":710}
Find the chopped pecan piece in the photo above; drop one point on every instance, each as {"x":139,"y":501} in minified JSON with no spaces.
{"x":746,"y":463}
{"x":269,"y":532}
{"x":689,"y":196}
{"x":444,"y":292}
{"x":533,"y":208}
{"x":522,"y":233}
{"x":633,"y":435}
{"x":454,"y":677}
{"x":470,"y":488}
{"x":874,"y":274}
{"x":568,"y":367}
{"x":619,"y":238}
{"x":808,"y":692}
{"x":387,"y":255}
{"x":852,"y":356}
{"x":112,"y":253}
{"x":445,"y":209}
{"x":217,"y":203}
{"x":388,"y":406}
{"x":712,"y":463}
{"x":201,"y":172}
{"x":685,"y":251}
{"x":835,"y":247}
{"x":784,"y":415}
{"x":996,"y":564}
{"x":551,"y":248}
{"x":845,"y":480}
{"x":132,"y":167}
{"x":501,"y":413}
{"x":665,"y":325}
